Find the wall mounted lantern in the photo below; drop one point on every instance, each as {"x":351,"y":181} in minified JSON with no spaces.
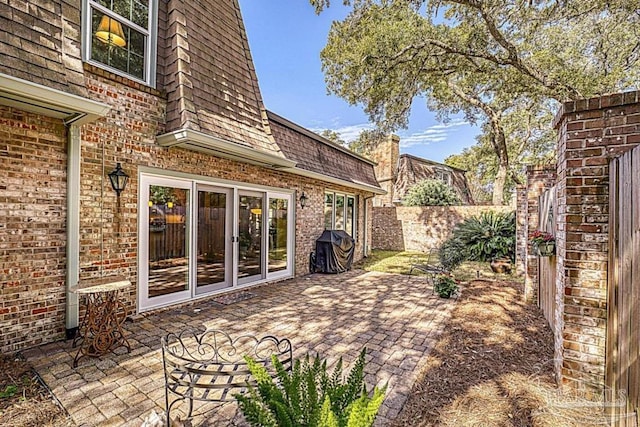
{"x":303,"y":200}
{"x":110,"y":31}
{"x":118,"y":179}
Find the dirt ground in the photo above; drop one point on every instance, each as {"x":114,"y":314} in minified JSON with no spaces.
{"x":24,"y":401}
{"x":491,"y":367}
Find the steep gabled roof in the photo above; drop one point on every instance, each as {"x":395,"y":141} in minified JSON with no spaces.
{"x":412,"y":169}
{"x":318,"y":157}
{"x":211,"y":84}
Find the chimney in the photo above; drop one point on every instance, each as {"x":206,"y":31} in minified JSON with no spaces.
{"x":386,"y":154}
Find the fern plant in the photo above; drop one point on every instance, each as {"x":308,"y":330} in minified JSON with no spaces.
{"x":309,"y":396}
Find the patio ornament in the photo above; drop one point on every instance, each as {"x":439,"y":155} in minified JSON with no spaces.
{"x":211,"y":368}
{"x":543,"y":243}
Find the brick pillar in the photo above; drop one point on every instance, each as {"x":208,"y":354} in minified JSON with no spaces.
{"x":386,"y":155}
{"x":590,"y":133}
{"x":539,"y":179}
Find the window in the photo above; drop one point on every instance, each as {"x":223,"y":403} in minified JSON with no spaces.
{"x":444,"y":176}
{"x":340,"y":212}
{"x":120,"y":36}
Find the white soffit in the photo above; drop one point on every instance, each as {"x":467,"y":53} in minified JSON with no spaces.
{"x":199,"y":141}
{"x":39,"y":99}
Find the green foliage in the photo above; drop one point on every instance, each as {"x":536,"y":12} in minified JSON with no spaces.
{"x":431,"y":192}
{"x":309,"y":396}
{"x":445,"y":286}
{"x":9,"y":391}
{"x":500,"y":64}
{"x":488,"y":236}
{"x":452,"y":253}
{"x":333,"y":136}
{"x":484,"y":237}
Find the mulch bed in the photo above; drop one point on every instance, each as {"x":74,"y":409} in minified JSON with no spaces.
{"x":24,"y":401}
{"x":493,"y":366}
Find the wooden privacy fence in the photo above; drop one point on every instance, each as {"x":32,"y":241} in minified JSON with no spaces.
{"x":623,"y":299}
{"x":547,"y":265}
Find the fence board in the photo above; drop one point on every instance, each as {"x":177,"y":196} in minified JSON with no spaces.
{"x":547,"y":265}
{"x":623,"y":316}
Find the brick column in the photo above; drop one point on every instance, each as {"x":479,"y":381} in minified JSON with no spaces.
{"x":539,"y":179}
{"x":590,"y":133}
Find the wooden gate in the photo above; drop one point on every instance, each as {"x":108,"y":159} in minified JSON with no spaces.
{"x":623,"y":299}
{"x":547,"y":265}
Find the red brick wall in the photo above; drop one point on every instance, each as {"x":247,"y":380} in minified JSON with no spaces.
{"x":591,"y":131}
{"x":32,"y":230}
{"x":33,"y":189}
{"x":420,"y":228}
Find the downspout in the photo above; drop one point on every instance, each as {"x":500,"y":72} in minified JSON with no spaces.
{"x":73,"y":229}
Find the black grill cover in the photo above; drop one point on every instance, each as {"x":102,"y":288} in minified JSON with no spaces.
{"x":334,"y":252}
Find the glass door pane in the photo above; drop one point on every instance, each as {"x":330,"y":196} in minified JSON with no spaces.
{"x":278,"y":236}
{"x":339,"y":212}
{"x":213,"y":240}
{"x":250,"y":223}
{"x":168,"y":256}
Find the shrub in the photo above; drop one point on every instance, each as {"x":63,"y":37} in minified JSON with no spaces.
{"x":431,"y":192}
{"x":445,"y":285}
{"x":309,"y":396}
{"x":483,"y":237}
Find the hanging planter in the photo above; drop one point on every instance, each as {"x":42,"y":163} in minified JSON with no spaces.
{"x":545,"y":249}
{"x":543,"y":243}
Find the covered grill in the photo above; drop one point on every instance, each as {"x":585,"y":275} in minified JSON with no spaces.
{"x":334,"y":252}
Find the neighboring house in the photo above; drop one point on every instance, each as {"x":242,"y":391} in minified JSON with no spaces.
{"x":213,"y":200}
{"x":398,"y":173}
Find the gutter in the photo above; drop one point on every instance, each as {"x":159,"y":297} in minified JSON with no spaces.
{"x":352,"y":183}
{"x":245,"y":153}
{"x":74,"y":111}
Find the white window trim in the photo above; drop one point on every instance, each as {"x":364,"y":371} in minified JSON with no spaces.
{"x":151,"y":56}
{"x":354,"y":219}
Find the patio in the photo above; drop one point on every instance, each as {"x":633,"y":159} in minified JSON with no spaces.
{"x":395,"y":316}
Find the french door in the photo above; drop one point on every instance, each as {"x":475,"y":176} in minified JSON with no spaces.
{"x":199,"y":238}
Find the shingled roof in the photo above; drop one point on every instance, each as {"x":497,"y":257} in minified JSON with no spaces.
{"x":412,"y":169}
{"x":209,"y":75}
{"x":317,"y":156}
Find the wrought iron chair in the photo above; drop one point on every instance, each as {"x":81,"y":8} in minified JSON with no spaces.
{"x":431,"y":269}
{"x":211,"y":368}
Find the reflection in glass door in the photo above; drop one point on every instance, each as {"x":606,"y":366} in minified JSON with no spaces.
{"x":278,"y":236}
{"x":250,"y":259}
{"x":168,"y":256}
{"x":212,"y":244}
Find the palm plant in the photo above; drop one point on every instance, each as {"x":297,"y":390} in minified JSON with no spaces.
{"x":483,"y":237}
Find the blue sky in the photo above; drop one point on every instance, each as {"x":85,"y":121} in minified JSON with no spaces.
{"x":286,"y":37}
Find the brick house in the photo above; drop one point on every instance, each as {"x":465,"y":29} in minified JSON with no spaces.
{"x":397,"y":173}
{"x":167,"y":89}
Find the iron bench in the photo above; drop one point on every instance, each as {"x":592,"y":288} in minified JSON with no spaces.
{"x":211,"y":368}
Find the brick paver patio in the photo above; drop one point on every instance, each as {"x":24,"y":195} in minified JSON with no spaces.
{"x":395,"y":316}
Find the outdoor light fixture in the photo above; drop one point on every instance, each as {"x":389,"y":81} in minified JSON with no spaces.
{"x":110,"y":31}
{"x":303,"y":200}
{"x":118,"y":179}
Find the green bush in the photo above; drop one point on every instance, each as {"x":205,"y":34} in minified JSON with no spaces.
{"x":484,"y":237}
{"x":431,"y":192}
{"x":309,"y":397}
{"x":444,"y":285}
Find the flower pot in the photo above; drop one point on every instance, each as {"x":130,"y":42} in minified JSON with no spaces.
{"x":501,"y":265}
{"x":545,"y":249}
